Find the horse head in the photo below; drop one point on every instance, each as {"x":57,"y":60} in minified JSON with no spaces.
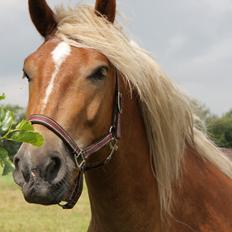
{"x":75,"y":88}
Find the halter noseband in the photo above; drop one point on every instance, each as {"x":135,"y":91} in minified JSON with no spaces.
{"x":81,"y":155}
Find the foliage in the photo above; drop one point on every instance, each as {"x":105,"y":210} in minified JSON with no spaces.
{"x":229,"y":114}
{"x":201,"y":110}
{"x":12,"y":133}
{"x":11,"y":146}
{"x":203,"y":115}
{"x":220,"y":130}
{"x":19,"y":112}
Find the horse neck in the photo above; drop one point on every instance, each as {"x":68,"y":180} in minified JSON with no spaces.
{"x":123,"y":195}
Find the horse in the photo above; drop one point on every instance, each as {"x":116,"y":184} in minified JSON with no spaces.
{"x":227,"y":152}
{"x":109,"y":114}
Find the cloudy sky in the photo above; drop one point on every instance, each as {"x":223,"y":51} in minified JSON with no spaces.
{"x":191,"y":39}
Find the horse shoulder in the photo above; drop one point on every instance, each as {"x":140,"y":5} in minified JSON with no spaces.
{"x":203,"y":201}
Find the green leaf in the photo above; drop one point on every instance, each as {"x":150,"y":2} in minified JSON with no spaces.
{"x":3,"y":153}
{"x":8,"y":167}
{"x":2,"y":114}
{"x":7,"y":121}
{"x":31,"y":137}
{"x":2,"y":96}
{"x":25,"y":125}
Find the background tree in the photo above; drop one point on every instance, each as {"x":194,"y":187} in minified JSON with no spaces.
{"x":219,"y":128}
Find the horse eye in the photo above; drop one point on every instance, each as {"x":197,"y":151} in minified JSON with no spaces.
{"x":25,"y":75}
{"x":99,"y":74}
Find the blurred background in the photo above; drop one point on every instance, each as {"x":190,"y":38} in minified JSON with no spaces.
{"x":190,"y":39}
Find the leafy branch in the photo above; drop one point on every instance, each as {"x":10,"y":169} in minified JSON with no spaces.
{"x":11,"y":131}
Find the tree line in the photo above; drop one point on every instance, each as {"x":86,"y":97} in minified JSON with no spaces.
{"x":219,"y":128}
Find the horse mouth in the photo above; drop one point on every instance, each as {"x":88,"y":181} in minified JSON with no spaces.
{"x":44,"y":193}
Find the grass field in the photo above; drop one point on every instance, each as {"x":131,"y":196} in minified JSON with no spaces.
{"x":18,"y":216}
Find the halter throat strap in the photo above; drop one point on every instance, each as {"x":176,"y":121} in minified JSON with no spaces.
{"x":81,"y":155}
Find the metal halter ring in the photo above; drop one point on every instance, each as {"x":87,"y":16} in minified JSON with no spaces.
{"x":80,"y":160}
{"x":113,"y":147}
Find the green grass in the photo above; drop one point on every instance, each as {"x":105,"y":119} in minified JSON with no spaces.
{"x":18,"y":216}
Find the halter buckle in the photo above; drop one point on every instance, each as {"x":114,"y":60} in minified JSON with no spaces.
{"x":80,"y":160}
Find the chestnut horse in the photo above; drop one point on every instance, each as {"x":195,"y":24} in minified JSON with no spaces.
{"x":107,"y":111}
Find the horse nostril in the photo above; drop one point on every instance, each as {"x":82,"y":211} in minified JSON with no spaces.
{"x":16,"y":162}
{"x":26,"y":175}
{"x":52,"y":169}
{"x":24,"y":172}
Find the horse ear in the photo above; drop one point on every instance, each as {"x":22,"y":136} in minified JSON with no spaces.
{"x":106,"y":8}
{"x":42,"y":17}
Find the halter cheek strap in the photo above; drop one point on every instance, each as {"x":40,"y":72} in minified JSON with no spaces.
{"x":81,"y":155}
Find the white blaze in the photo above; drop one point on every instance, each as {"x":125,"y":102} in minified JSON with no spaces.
{"x":59,"y":55}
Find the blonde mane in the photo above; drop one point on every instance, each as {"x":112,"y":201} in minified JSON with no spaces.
{"x":166,"y":109}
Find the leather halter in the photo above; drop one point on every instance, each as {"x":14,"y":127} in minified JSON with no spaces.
{"x":81,"y":155}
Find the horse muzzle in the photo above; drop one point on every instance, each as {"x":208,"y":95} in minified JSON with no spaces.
{"x":38,"y":191}
{"x":43,"y":178}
